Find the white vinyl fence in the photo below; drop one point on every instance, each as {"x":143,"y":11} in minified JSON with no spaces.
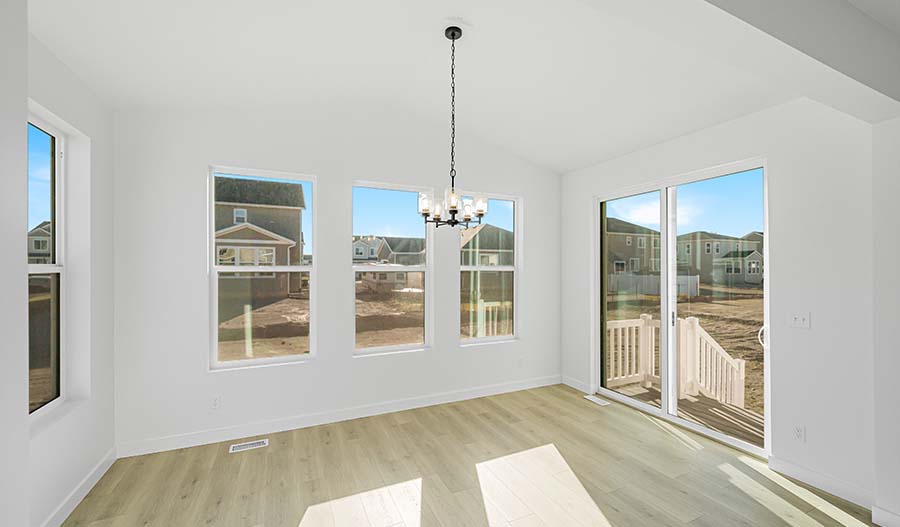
{"x":704,"y":367}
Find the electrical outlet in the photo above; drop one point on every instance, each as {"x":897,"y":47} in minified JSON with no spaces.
{"x":800,"y":320}
{"x":800,"y":433}
{"x":217,"y":402}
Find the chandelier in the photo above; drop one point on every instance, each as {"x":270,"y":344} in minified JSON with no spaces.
{"x":454,"y":209}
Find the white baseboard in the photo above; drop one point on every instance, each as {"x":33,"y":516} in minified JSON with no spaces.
{"x":885,"y":518}
{"x":577,"y":384}
{"x":842,"y":489}
{"x":161,"y":444}
{"x":80,"y":491}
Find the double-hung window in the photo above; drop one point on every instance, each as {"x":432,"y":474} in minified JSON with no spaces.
{"x":391,"y":292}
{"x":488,"y":264}
{"x":262,"y":266}
{"x":46,"y":274}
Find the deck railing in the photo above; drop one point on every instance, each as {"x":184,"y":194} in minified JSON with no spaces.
{"x":704,"y":367}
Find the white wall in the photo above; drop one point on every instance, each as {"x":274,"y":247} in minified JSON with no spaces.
{"x":886,"y":188}
{"x":73,"y":444}
{"x":164,"y":391}
{"x":820,"y":192}
{"x":13,"y":266}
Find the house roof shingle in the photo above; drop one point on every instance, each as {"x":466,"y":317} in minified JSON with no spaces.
{"x":43,"y":226}
{"x":405,"y":245}
{"x":738,"y":254}
{"x":252,"y":191}
{"x":706,"y":235}
{"x":489,"y":237}
{"x":625,"y":227}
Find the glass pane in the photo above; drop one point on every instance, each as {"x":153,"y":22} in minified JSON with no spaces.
{"x":390,"y":309}
{"x":258,"y":216}
{"x":387,"y":228}
{"x":486,"y":303}
{"x":41,"y":196}
{"x":631,"y":282}
{"x":494,"y":241}
{"x":720,"y":304}
{"x":43,"y":339}
{"x":263,"y":315}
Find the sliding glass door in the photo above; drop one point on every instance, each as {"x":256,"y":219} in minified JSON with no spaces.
{"x":631,"y":303}
{"x":708,"y":368}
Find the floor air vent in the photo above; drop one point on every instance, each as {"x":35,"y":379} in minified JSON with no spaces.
{"x":249,"y":445}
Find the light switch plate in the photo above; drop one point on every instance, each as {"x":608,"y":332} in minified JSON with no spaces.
{"x":800,"y":320}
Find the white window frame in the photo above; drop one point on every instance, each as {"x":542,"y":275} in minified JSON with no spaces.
{"x":628,"y":241}
{"x":234,"y":216}
{"x":59,"y":253}
{"x":215,"y":365}
{"x":707,"y":247}
{"x":376,"y":268}
{"x":359,"y":251}
{"x":516,"y":268}
{"x":687,"y":249}
{"x":642,"y":242}
{"x":717,"y":247}
{"x":667,"y":187}
{"x":634,"y":264}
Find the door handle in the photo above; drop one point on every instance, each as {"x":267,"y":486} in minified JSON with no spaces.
{"x":759,"y":336}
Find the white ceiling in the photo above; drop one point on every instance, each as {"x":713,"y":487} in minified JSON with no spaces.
{"x":562,"y":84}
{"x":887,"y":12}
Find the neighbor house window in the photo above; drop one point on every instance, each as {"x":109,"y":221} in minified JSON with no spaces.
{"x":635,"y":264}
{"x":642,"y":242}
{"x":753,"y":267}
{"x":391,"y":298}
{"x":240,"y":215}
{"x":488,"y":265}
{"x":718,"y":247}
{"x":261,"y":273}
{"x":687,"y":248}
{"x":628,"y":241}
{"x":45,"y":266}
{"x":707,"y":247}
{"x":618,"y":267}
{"x":360,"y":252}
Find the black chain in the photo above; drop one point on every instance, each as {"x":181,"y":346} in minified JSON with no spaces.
{"x":453,"y":113}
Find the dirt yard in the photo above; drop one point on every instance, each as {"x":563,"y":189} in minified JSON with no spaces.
{"x":733,"y":322}
{"x":282,"y":328}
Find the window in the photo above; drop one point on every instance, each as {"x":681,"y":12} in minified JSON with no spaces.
{"x":391,"y":299}
{"x":359,"y":251}
{"x":618,"y":267}
{"x":707,"y":247}
{"x":754,"y":267}
{"x":687,"y":248}
{"x":655,"y":242}
{"x":45,"y":269}
{"x":654,"y":264}
{"x":240,"y":215}
{"x":635,"y":264}
{"x":642,"y":242}
{"x":262,"y":311}
{"x":718,"y":247}
{"x":628,"y":241}
{"x":737,"y":246}
{"x":488,"y":273}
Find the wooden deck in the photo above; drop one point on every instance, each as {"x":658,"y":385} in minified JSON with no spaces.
{"x":737,"y":422}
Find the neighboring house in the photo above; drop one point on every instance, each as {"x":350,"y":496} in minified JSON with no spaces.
{"x":365,"y":249}
{"x":739,"y":266}
{"x":258,"y":223}
{"x":757,"y":237}
{"x":390,"y":251}
{"x":698,"y":252}
{"x":40,"y":244}
{"x":487,"y":244}
{"x":630,"y":248}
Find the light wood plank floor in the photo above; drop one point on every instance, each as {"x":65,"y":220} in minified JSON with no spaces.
{"x":541,"y":457}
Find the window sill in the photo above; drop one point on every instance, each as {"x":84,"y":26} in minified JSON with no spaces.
{"x":389,"y":350}
{"x":44,"y":418}
{"x":252,"y":364}
{"x":484,"y":341}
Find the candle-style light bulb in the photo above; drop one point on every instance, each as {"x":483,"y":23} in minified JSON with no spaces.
{"x":438,"y":211}
{"x":481,"y":206}
{"x":425,"y":201}
{"x":451,"y":199}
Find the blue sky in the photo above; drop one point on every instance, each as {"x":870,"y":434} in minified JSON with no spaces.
{"x":385,"y":212}
{"x":39,"y":159}
{"x":731,"y":205}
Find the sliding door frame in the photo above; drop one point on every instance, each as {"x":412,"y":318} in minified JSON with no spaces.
{"x":666,"y":187}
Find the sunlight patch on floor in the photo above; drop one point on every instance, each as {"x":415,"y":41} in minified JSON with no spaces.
{"x":392,"y":505}
{"x":536,"y":487}
{"x":809,"y":497}
{"x":768,"y":499}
